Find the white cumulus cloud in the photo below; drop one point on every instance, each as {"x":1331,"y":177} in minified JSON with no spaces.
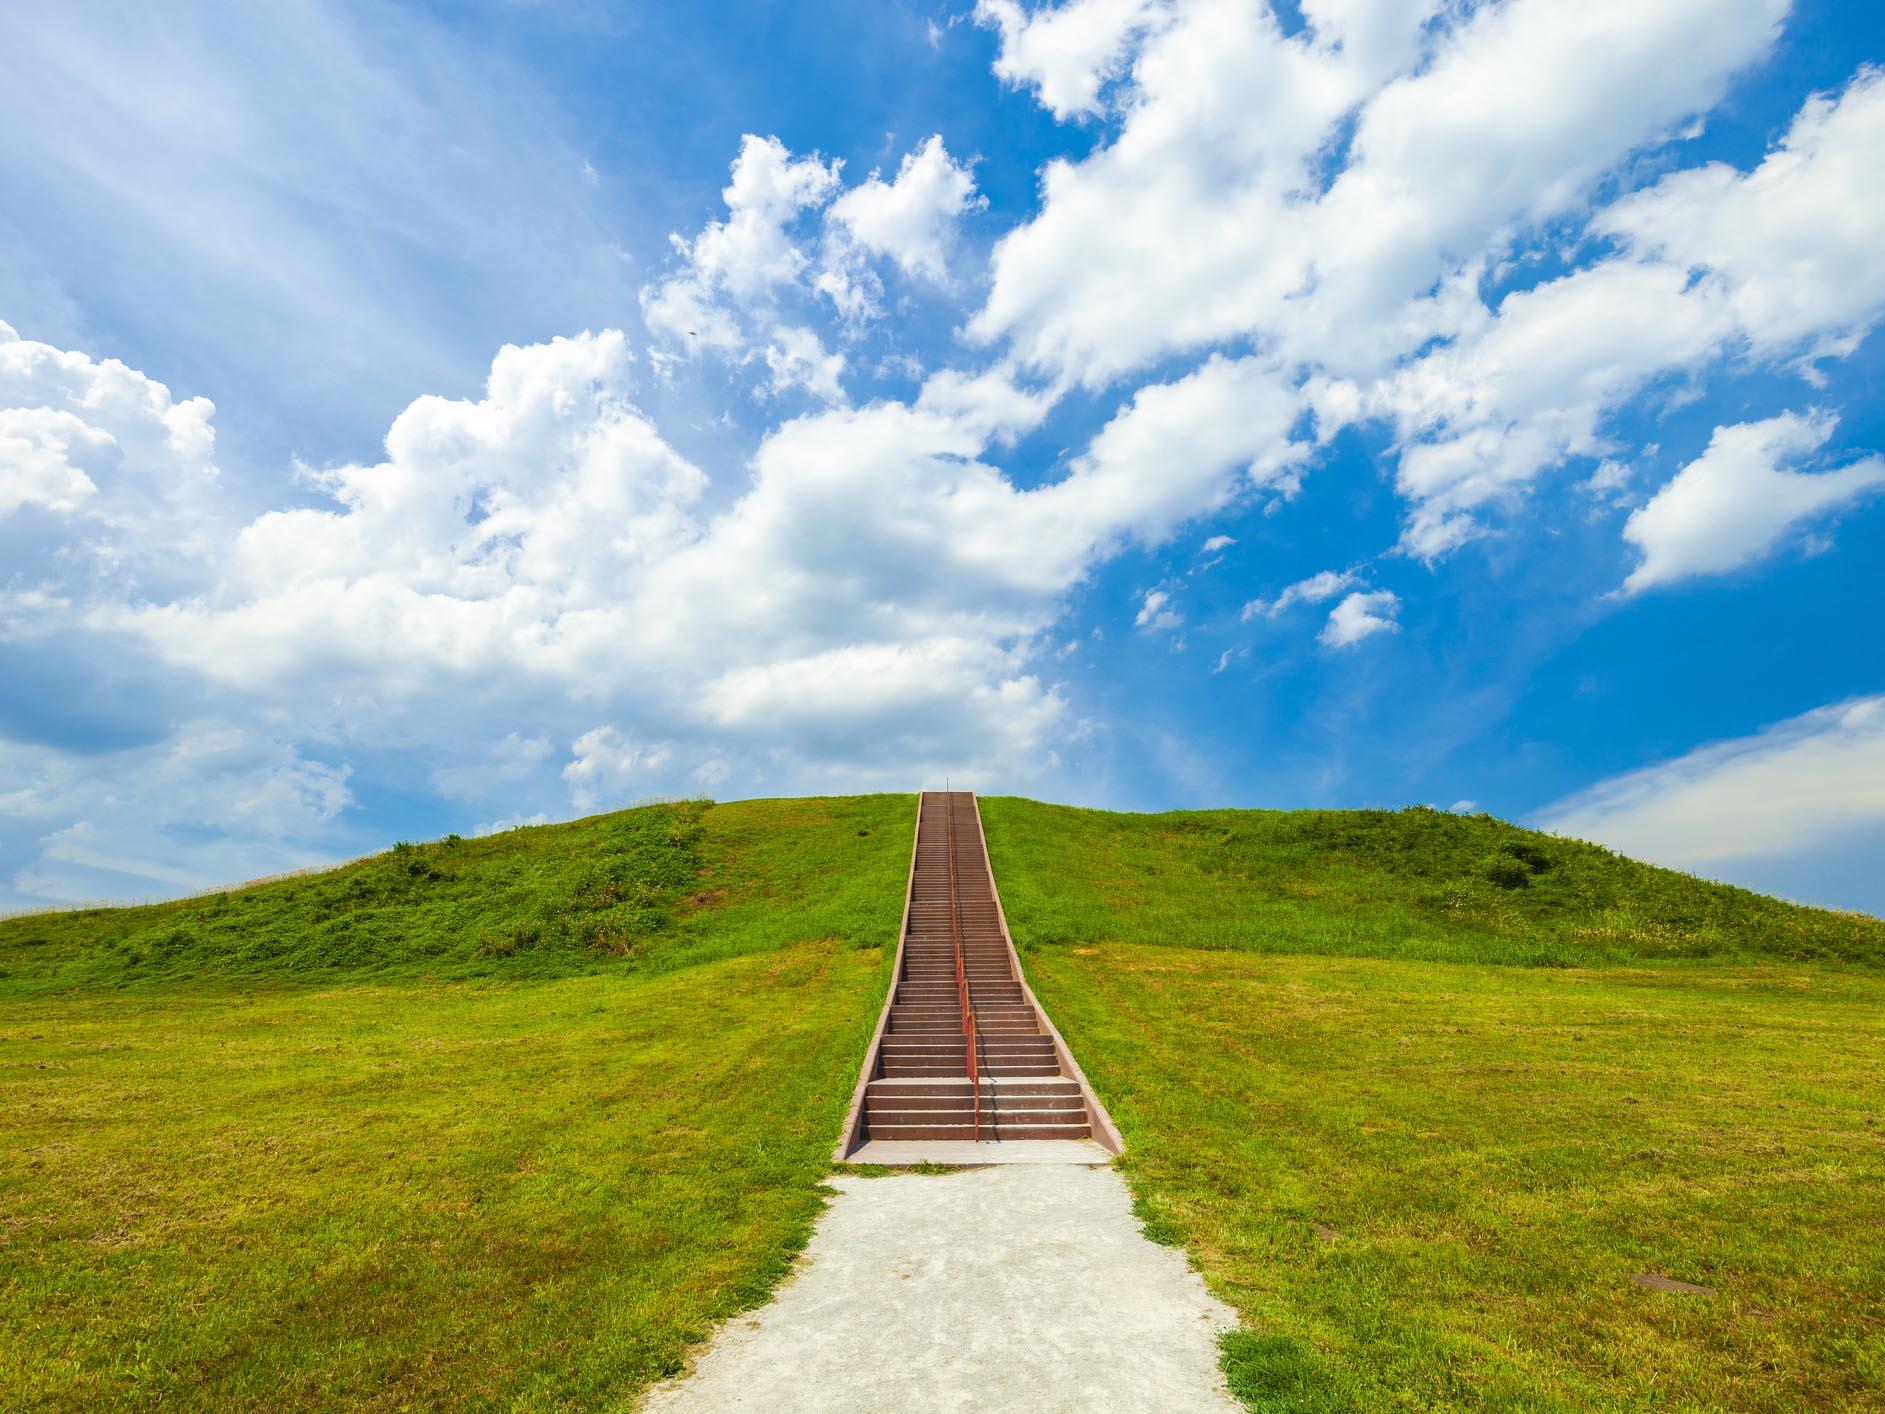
{"x":875,"y":595}
{"x":130,"y":471}
{"x":732,"y":269}
{"x":798,"y":358}
{"x":1777,"y":260}
{"x":1211,"y":217}
{"x":1733,"y":503}
{"x":1794,"y":243}
{"x":605,"y":767}
{"x":1358,"y":616}
{"x":912,"y":218}
{"x":1067,"y":52}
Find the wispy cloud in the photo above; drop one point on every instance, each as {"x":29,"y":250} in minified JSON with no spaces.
{"x":1156,"y":613}
{"x":1317,"y":589}
{"x":1814,"y":782}
{"x":318,"y":215}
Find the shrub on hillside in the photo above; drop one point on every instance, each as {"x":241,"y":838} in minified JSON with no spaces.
{"x":1505,"y":870}
{"x":1535,"y":860}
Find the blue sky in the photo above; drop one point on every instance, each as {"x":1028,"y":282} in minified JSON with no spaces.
{"x":428,"y":418}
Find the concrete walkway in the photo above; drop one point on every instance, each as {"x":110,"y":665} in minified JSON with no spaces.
{"x":907,"y":1153}
{"x":1019,"y":1287}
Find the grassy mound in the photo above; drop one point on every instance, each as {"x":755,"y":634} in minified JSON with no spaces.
{"x":1441,"y":1106}
{"x":1427,"y":1177}
{"x":500,"y":1122}
{"x":1375,"y":883}
{"x":658,"y":887}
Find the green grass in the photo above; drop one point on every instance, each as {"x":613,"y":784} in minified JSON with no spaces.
{"x":509,"y":1122}
{"x":1375,"y":883}
{"x":493,"y":1123}
{"x":656,"y":888}
{"x":1423,"y":1128}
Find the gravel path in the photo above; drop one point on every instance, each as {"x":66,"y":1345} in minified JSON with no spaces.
{"x":1021,"y":1287}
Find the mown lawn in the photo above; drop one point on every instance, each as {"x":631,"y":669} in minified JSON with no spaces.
{"x":1434,"y":1184}
{"x":506,"y":1130}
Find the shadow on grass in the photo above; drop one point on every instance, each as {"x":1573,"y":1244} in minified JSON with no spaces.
{"x":1278,"y":1374}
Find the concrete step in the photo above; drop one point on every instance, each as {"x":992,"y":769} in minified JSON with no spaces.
{"x":945,"y":1109}
{"x":1003,"y":1125}
{"x":919,"y":962}
{"x":998,"y":1092}
{"x":899,"y":1103}
{"x":990,"y":1131}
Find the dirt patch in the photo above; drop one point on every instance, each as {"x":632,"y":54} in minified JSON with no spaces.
{"x":1656,"y":1281}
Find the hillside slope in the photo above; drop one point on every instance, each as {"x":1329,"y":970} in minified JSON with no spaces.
{"x":653,"y":888}
{"x":1375,"y":883}
{"x":510,"y":1121}
{"x":485,"y":1123}
{"x":1447,"y":1132}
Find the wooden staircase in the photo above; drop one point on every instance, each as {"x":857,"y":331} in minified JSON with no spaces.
{"x":964,"y":1052}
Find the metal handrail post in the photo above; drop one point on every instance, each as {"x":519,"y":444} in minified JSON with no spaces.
{"x":962,"y":975}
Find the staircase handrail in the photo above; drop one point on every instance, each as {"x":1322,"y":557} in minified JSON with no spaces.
{"x":962,"y":976}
